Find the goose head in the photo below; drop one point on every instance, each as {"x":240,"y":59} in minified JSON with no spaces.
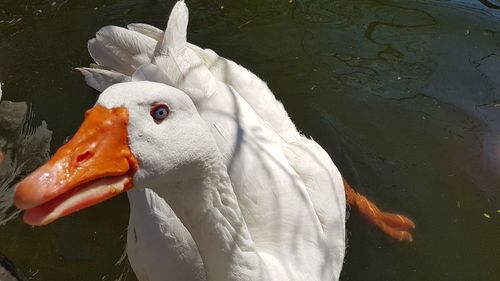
{"x":138,"y":134}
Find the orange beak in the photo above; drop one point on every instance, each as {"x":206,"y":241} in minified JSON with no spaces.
{"x":95,"y":165}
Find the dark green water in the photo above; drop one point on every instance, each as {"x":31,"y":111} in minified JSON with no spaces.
{"x":404,"y":95}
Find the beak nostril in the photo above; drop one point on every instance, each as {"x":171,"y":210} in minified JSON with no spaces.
{"x":83,"y":157}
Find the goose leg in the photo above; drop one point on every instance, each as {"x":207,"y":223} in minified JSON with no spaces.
{"x":395,"y":225}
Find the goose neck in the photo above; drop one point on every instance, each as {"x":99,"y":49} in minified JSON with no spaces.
{"x":207,"y":206}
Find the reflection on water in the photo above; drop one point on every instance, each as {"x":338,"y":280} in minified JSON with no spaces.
{"x":490,"y":4}
{"x":404,"y":95}
{"x":24,"y":147}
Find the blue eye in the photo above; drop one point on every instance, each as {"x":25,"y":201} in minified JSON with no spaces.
{"x":160,"y":111}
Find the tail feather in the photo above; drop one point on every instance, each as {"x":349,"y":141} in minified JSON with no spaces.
{"x":121,"y":49}
{"x":176,"y":32}
{"x":100,"y":79}
{"x":151,"y":72}
{"x":148,"y":30}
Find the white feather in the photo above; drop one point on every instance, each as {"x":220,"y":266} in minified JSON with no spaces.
{"x":121,"y":49}
{"x":146,"y":29}
{"x":101,"y":79}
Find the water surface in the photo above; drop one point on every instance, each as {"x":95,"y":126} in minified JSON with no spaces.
{"x":404,"y":95}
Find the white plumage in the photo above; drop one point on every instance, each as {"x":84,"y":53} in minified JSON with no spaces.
{"x":289,"y":191}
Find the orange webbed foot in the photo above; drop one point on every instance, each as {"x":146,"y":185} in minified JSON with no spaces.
{"x":395,"y":225}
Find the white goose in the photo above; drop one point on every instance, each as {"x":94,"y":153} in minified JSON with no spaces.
{"x":256,"y":158}
{"x":146,"y":134}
